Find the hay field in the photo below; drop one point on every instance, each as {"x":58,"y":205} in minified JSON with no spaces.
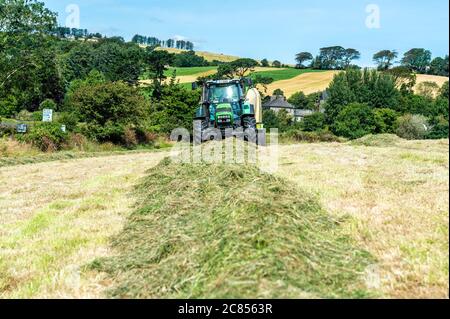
{"x":209,"y":56}
{"x":307,"y":82}
{"x":389,"y":196}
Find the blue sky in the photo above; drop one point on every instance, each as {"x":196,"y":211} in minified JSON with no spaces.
{"x":271,"y":29}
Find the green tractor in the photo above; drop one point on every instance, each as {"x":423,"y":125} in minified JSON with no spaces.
{"x":231,"y":107}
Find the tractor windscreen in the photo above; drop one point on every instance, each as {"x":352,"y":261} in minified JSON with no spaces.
{"x":224,"y":93}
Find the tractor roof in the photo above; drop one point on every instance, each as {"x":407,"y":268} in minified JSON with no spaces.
{"x":223,"y":81}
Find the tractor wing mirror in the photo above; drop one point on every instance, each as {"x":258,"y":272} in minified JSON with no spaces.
{"x":194,"y":86}
{"x":249,"y":81}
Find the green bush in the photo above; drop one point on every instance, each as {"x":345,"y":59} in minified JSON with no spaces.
{"x":412,"y":127}
{"x":313,"y":122}
{"x":354,"y":121}
{"x":439,"y":129}
{"x":48,"y":137}
{"x":8,"y":106}
{"x":385,"y":121}
{"x":107,"y":109}
{"x":70,"y":120}
{"x":48,"y":104}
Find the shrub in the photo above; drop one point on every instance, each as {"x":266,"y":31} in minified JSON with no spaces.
{"x":8,"y":106}
{"x":439,"y":129}
{"x":385,"y":121}
{"x":48,"y":137}
{"x":47,"y":104}
{"x":129,"y":137}
{"x":354,"y":121}
{"x":412,"y":126}
{"x":69,"y":119}
{"x":313,"y":122}
{"x":24,"y":115}
{"x":107,"y":109}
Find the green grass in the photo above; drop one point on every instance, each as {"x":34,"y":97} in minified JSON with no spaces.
{"x":285,"y":74}
{"x":221,"y":231}
{"x":190,"y":71}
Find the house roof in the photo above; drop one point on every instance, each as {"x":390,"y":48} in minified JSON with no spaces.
{"x":278,"y":102}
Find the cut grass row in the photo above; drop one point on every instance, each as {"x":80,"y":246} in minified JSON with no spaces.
{"x":221,"y":231}
{"x":67,"y":155}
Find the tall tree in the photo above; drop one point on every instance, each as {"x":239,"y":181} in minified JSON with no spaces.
{"x":350,"y":55}
{"x":384,"y":59}
{"x":303,"y":57}
{"x":27,"y":52}
{"x":417,"y":60}
{"x":439,"y":66}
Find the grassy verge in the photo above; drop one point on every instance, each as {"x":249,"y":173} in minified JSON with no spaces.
{"x":285,"y":74}
{"x":219,"y":231}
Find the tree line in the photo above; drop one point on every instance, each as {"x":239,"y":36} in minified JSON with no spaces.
{"x":417,"y":60}
{"x":170,"y":43}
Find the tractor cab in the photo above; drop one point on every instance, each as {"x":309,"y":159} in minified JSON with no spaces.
{"x":229,"y":104}
{"x":223,"y":103}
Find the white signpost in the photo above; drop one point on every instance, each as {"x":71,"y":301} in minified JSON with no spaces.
{"x":47,"y":115}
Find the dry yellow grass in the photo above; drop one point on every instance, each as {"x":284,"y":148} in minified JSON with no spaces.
{"x":307,"y":82}
{"x":398,"y":199}
{"x":209,"y":56}
{"x":56,"y":217}
{"x":439,"y":80}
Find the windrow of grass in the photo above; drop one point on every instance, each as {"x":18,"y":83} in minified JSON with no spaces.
{"x":226,"y":231}
{"x":284,"y":74}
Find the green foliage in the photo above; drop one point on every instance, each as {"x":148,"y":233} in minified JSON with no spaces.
{"x":107,"y":109}
{"x":444,"y":92}
{"x":48,"y":137}
{"x":175,"y":109}
{"x":335,"y":58}
{"x":276,"y":64}
{"x":189,"y":59}
{"x":384,"y":59}
{"x":278,"y":92}
{"x":69,"y":119}
{"x":265,"y":63}
{"x":354,"y":121}
{"x":439,"y":128}
{"x":417,"y":60}
{"x":299,"y":100}
{"x":305,"y":102}
{"x":385,"y":121}
{"x":238,"y":68}
{"x":281,"y":120}
{"x":8,"y":106}
{"x":377,"y":90}
{"x":313,"y":123}
{"x":303,"y":57}
{"x":48,"y":104}
{"x":439,"y":66}
{"x":412,"y":127}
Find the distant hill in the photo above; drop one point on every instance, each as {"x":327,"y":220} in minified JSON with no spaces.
{"x":209,"y":56}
